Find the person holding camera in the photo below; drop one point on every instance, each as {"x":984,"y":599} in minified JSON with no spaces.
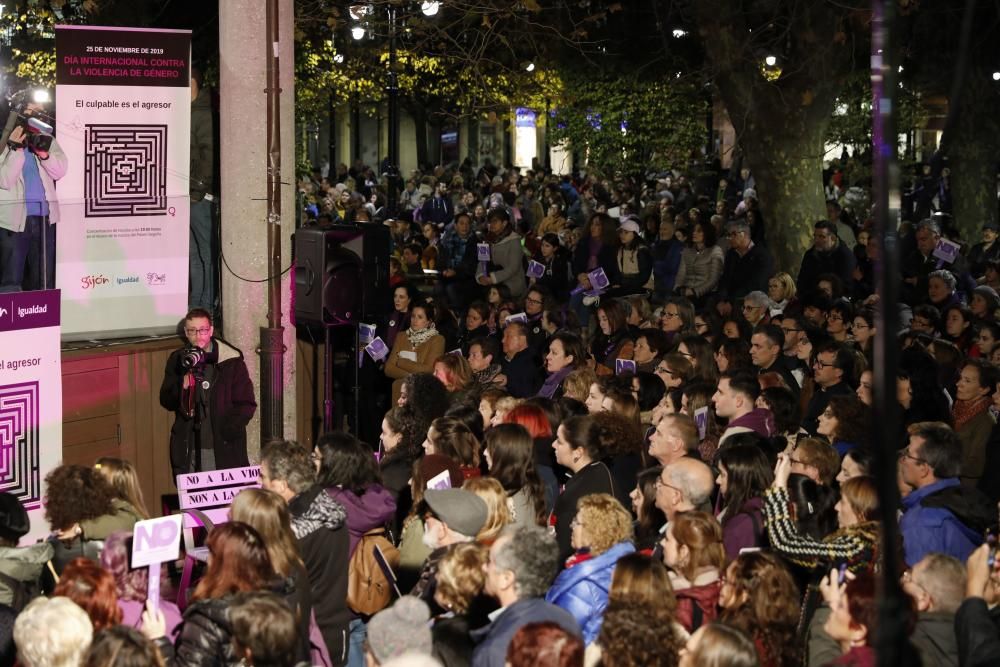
{"x":207,"y":385}
{"x":31,"y":161}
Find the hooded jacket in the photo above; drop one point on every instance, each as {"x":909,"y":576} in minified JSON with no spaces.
{"x":702,"y":594}
{"x":758,"y":420}
{"x":23,"y":564}
{"x":582,"y":589}
{"x":495,"y":638}
{"x":932,"y":524}
{"x":318,"y":522}
{"x":231,"y":403}
{"x":372,"y":509}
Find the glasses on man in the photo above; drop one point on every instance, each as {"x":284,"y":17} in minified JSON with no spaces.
{"x":198,"y":332}
{"x":659,"y":482}
{"x":749,"y":307}
{"x":823,"y":364}
{"x":905,"y":454}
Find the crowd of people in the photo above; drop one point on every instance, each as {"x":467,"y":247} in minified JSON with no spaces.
{"x":608,"y":431}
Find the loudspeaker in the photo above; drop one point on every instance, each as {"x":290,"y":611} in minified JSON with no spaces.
{"x":342,"y":274}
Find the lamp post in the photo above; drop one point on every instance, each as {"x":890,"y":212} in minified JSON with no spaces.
{"x":428,"y":8}
{"x":392,"y":93}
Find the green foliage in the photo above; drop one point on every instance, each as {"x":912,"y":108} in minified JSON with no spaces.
{"x":851,"y":123}
{"x":32,"y":42}
{"x":623,"y":122}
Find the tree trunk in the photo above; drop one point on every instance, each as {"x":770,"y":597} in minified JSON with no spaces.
{"x":788,"y":168}
{"x":972,"y":146}
{"x":781,"y":119}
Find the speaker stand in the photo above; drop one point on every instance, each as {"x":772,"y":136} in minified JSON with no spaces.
{"x":327,"y":381}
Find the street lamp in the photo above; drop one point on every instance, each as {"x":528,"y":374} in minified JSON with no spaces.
{"x":530,"y":67}
{"x":360,"y":13}
{"x":771,"y":61}
{"x":996,"y":76}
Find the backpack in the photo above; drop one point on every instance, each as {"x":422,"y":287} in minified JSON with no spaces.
{"x":368,"y":590}
{"x":22,"y":592}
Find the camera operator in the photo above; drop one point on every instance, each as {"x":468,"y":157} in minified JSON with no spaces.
{"x":207,"y":386}
{"x":29,"y":209}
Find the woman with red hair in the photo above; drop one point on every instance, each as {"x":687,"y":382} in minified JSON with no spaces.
{"x":92,"y":588}
{"x":238,"y":562}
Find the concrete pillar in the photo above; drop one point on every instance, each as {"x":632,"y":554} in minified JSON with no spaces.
{"x":243,"y":49}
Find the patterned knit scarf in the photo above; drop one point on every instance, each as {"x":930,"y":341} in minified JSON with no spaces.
{"x":418,"y":337}
{"x":966,"y":411}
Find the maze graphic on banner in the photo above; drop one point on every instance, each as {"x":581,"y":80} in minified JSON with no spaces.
{"x":19,"y":443}
{"x":125,"y":170}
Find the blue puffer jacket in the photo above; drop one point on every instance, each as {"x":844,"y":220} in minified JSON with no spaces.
{"x":582,"y":590}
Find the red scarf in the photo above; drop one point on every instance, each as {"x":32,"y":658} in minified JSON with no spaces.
{"x":966,"y":411}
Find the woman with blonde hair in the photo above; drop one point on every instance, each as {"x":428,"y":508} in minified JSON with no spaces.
{"x":124,"y":480}
{"x":781,"y":289}
{"x":460,"y":579}
{"x":267,"y":513}
{"x":498,"y":514}
{"x":455,"y":374}
{"x":602,"y":533}
{"x":577,"y":383}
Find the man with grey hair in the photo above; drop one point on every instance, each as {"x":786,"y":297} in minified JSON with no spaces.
{"x":937,"y":586}
{"x":747,"y":265}
{"x":756,"y":308}
{"x":683,"y":486}
{"x":523,"y":562}
{"x":921,"y":262}
{"x":319,"y":525}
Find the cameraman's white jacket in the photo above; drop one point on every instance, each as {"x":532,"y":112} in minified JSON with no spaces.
{"x":12,"y":211}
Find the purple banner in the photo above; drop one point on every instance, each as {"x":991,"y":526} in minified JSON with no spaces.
{"x":29,"y":310}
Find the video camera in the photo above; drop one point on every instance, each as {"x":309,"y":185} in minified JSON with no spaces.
{"x":192,"y":357}
{"x":38,"y":133}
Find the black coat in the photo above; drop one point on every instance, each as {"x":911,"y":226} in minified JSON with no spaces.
{"x":231,"y":405}
{"x":205,"y":637}
{"x":749,"y":273}
{"x":595,"y":478}
{"x":839,"y":261}
{"x":977,"y":629}
{"x":524,"y":377}
{"x":320,"y":525}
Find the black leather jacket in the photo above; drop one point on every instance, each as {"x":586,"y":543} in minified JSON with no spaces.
{"x":205,"y":638}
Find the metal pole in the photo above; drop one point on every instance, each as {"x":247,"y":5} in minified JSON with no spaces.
{"x":392,"y":191}
{"x":271,"y":337}
{"x":332,"y":138}
{"x":891,"y":636}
